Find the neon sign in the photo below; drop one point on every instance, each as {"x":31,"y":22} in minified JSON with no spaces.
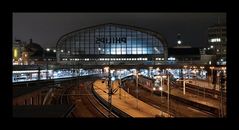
{"x":110,"y":40}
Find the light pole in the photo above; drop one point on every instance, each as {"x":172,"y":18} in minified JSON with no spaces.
{"x":109,"y":93}
{"x":222,"y":87}
{"x":120,"y":83}
{"x":201,"y":75}
{"x":161,"y":84}
{"x":161,"y":87}
{"x":211,"y":68}
{"x":137,"y":86}
{"x":168,"y":90}
{"x":164,"y":77}
{"x":184,"y":89}
{"x":48,"y":49}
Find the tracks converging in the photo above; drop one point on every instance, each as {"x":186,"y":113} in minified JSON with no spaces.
{"x":85,"y":101}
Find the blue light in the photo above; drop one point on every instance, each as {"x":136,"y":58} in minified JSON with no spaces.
{"x":112,"y":78}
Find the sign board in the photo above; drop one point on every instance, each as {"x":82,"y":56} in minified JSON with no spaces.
{"x":110,"y":40}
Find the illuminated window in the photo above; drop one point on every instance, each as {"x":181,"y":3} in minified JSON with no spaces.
{"x":144,"y":50}
{"x":134,"y":51}
{"x":215,"y":40}
{"x":123,"y":50}
{"x":15,"y":53}
{"x":118,"y":51}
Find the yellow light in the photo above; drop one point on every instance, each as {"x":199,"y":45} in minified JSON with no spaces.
{"x":223,"y":68}
{"x":106,"y":69}
{"x":15,"y":53}
{"x":211,"y":67}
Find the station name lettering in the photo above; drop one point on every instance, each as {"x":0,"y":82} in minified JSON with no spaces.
{"x":109,"y":40}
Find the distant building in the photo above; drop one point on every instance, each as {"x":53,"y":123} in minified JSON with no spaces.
{"x":217,"y":41}
{"x":31,"y":53}
{"x":17,"y":50}
{"x":217,"y":38}
{"x":184,"y":55}
{"x":50,"y":53}
{"x":179,"y":40}
{"x":203,"y":51}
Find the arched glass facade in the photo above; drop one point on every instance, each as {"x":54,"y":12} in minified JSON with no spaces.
{"x":110,"y":41}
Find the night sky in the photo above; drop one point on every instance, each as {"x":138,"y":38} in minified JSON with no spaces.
{"x":46,"y":28}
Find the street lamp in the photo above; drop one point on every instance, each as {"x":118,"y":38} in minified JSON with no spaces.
{"x":212,"y":68}
{"x":120,"y":84}
{"x":161,"y":89}
{"x":137,"y":86}
{"x":222,"y":87}
{"x":48,"y":49}
{"x":109,"y":92}
{"x":168,"y":89}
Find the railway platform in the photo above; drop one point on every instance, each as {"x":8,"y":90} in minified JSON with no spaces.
{"x":127,"y":103}
{"x":212,"y":103}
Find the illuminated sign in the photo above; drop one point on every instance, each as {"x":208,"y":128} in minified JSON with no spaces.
{"x":109,"y":40}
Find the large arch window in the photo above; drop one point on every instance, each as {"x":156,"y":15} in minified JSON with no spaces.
{"x":110,"y":39}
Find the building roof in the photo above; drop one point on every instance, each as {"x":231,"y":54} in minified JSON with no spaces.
{"x":218,"y":25}
{"x":59,"y":110}
{"x":183,"y":51}
{"x":135,"y":28}
{"x":35,"y":49}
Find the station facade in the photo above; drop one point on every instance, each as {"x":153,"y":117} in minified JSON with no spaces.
{"x":112,"y":44}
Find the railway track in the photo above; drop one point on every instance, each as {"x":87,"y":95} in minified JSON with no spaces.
{"x":193,"y":89}
{"x":204,"y":92}
{"x":82,"y":97}
{"x":92,"y":106}
{"x":96,"y":103}
{"x":177,"y":108}
{"x":64,"y":98}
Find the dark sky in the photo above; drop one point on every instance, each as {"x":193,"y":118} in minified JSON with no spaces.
{"x":46,"y":28}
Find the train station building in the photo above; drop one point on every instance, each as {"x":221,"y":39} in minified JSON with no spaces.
{"x":113,"y":44}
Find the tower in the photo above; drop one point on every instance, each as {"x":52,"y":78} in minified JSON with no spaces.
{"x":179,"y":40}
